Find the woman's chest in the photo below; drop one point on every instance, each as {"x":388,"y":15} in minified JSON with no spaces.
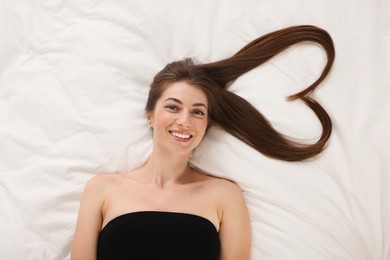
{"x":192,"y":201}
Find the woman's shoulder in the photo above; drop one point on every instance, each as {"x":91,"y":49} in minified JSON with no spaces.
{"x":224,"y":187}
{"x":102,"y":182}
{"x":229,"y":191}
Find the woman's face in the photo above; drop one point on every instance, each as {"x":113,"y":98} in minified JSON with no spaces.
{"x":179,"y":119}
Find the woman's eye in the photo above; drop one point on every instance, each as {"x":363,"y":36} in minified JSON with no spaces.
{"x":172,"y":107}
{"x":198,"y":112}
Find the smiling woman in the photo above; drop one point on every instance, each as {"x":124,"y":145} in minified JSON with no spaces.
{"x":179,"y":119}
{"x":167,"y":210}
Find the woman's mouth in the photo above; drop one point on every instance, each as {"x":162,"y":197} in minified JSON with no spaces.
{"x":180,"y":135}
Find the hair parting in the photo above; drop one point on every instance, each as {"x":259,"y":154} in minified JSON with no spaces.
{"x":236,"y":115}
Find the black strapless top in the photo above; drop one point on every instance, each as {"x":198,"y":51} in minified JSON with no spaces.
{"x":157,"y":235}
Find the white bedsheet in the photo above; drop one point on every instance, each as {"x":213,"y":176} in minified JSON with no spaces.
{"x":74,"y":77}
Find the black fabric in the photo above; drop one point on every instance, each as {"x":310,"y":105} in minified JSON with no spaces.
{"x":158,"y":235}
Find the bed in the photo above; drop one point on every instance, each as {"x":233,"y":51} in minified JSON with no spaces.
{"x":74,"y":77}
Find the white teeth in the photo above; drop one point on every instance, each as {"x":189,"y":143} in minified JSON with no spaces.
{"x":180,"y":135}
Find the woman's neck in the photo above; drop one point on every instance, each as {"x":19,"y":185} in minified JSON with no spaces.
{"x":164,"y":169}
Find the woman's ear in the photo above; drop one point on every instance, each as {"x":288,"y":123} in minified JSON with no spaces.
{"x":149,"y":118}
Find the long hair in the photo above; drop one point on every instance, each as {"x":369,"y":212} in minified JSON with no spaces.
{"x":236,"y":115}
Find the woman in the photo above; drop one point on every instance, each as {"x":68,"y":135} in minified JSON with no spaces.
{"x":166,"y":209}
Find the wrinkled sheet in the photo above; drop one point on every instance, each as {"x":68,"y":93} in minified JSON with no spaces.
{"x":74,"y":77}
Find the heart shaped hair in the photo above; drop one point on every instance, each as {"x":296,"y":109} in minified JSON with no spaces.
{"x":236,"y":115}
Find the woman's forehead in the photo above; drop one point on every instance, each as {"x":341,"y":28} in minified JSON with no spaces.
{"x":184,"y":92}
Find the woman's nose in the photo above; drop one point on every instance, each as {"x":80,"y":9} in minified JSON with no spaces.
{"x":183,"y":119}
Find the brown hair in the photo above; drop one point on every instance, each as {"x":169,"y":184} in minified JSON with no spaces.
{"x":236,"y":115}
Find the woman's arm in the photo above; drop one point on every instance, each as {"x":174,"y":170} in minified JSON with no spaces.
{"x":89,"y":222}
{"x":235,"y":230}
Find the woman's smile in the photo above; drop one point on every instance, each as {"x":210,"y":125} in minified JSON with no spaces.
{"x":181,"y":114}
{"x":180,"y":136}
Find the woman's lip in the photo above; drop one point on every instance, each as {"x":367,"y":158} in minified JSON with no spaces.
{"x":181,"y":135}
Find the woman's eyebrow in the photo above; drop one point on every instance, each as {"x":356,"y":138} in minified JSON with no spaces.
{"x":173,"y":99}
{"x":178,"y":101}
{"x":199,"y":105}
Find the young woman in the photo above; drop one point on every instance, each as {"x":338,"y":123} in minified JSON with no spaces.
{"x":167,"y":210}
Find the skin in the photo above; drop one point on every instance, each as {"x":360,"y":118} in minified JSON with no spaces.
{"x":166,"y":182}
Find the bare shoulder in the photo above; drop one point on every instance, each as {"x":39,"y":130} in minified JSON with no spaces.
{"x":100,"y":183}
{"x":219,"y":183}
{"x":226,"y":187}
{"x":222,"y":188}
{"x":229,"y":193}
{"x":235,"y":230}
